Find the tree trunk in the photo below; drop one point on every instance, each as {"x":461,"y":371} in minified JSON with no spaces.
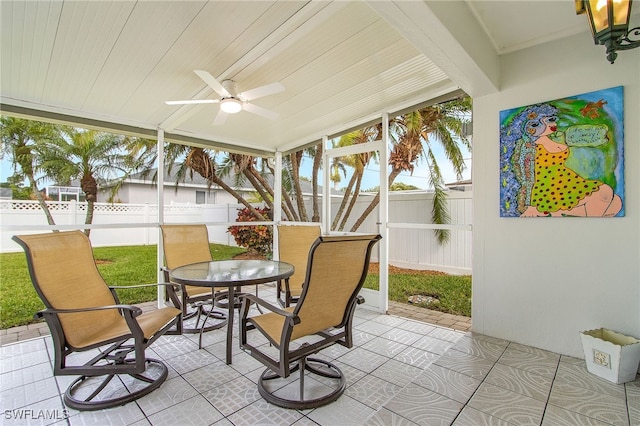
{"x":258,"y":181}
{"x":89,"y":218}
{"x":352,"y":203}
{"x":286,"y":202}
{"x":287,"y":206}
{"x":201,"y":163}
{"x":263,"y":182}
{"x":24,"y":158}
{"x":90,"y":188}
{"x":259,"y":187}
{"x":215,"y":179}
{"x":317,"y":162}
{"x":41,"y":201}
{"x":295,"y":169}
{"x":343,"y":204}
{"x":392,"y":176}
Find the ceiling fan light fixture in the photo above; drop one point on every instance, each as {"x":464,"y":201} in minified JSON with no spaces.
{"x":231,"y":105}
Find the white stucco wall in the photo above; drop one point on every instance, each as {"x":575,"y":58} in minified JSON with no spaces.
{"x":539,"y":281}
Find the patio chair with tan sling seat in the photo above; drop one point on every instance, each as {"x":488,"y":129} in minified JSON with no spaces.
{"x":322,"y":317}
{"x":84,"y":315}
{"x":294,"y":242}
{"x":183,"y":245}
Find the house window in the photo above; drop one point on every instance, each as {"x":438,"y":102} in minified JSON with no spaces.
{"x":65,"y":193}
{"x":200,"y":197}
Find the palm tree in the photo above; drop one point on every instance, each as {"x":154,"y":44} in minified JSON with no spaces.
{"x":413,"y":136}
{"x":337,"y":165}
{"x":315,"y":152}
{"x":295,"y":159}
{"x":87,"y":155}
{"x":256,"y":171}
{"x":21,"y":142}
{"x":183,"y":160}
{"x":243,"y":168}
{"x":202,"y":161}
{"x":287,"y":189}
{"x":358,"y":163}
{"x":246,"y":168}
{"x":186,"y":160}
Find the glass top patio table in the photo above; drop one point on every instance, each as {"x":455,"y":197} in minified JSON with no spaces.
{"x":223,"y":273}
{"x":231,"y":274}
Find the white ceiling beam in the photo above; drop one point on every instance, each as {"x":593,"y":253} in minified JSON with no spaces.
{"x":435,"y":92}
{"x":447,"y":33}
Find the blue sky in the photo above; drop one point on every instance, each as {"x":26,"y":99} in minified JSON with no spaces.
{"x":419,"y":177}
{"x":5,"y":170}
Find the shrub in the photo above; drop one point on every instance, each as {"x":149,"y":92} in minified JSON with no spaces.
{"x":259,"y":237}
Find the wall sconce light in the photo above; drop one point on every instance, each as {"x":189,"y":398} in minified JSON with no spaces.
{"x":609,"y":21}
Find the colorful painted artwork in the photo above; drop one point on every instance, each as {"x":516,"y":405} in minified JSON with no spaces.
{"x":563,"y":158}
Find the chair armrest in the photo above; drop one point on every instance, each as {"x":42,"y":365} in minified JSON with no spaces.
{"x":246,"y":324}
{"x":269,"y":306}
{"x":113,"y":288}
{"x":128,"y":312}
{"x":135,"y":311}
{"x":116,"y":287}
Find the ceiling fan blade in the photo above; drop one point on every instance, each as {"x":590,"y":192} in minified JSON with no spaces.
{"x":192,"y":102}
{"x":258,"y":92}
{"x":213,"y":83}
{"x":263,"y":112}
{"x":220,"y":118}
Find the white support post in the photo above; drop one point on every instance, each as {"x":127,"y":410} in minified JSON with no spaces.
{"x":160,"y":218}
{"x":326,"y":187}
{"x":384,"y":217}
{"x":277,"y":203}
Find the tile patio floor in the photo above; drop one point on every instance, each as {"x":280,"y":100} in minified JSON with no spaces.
{"x":400,"y":372}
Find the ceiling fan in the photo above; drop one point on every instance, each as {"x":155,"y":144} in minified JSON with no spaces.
{"x":231,"y":101}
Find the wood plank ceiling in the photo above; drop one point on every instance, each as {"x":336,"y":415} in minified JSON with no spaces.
{"x":342,"y":63}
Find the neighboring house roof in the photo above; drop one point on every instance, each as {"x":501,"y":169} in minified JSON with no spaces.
{"x":197,"y":180}
{"x":6,"y":193}
{"x":461,"y":185}
{"x":170,"y":178}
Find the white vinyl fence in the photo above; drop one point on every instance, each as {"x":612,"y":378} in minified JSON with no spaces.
{"x":410,"y":245}
{"x":25,"y":214}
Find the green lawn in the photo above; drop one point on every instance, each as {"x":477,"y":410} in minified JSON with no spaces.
{"x":449,"y":293}
{"x":131,"y":265}
{"x":126,"y":265}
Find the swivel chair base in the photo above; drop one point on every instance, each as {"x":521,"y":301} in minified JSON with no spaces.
{"x":88,"y":393}
{"x":312,"y":365}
